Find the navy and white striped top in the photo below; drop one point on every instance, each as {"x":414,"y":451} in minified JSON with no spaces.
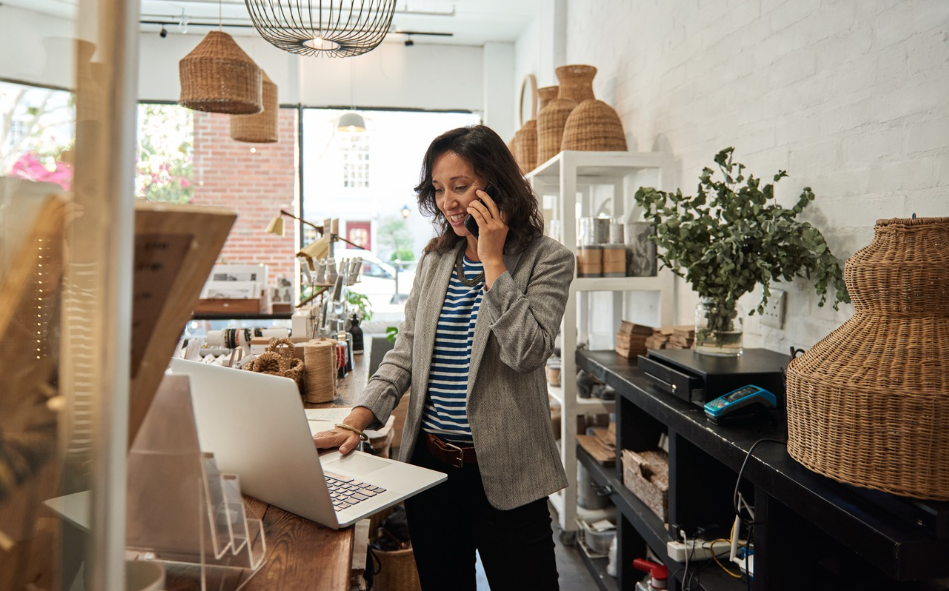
{"x":445,"y":413}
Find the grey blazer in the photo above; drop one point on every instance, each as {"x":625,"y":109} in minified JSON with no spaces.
{"x":507,"y":391}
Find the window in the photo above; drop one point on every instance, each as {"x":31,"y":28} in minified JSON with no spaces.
{"x":355,"y":149}
{"x":37,"y":131}
{"x":165,"y":167}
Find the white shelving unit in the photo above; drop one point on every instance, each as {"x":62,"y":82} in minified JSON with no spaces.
{"x":575,"y":180}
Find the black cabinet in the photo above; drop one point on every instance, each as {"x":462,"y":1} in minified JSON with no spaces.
{"x":811,"y":532}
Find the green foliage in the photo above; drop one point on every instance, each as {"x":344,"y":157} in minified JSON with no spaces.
{"x":396,"y":238}
{"x":165,"y":167}
{"x":361,"y":301}
{"x":391,"y":333}
{"x":733,"y":235}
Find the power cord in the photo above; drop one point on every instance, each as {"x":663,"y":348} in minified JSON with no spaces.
{"x":742,"y":471}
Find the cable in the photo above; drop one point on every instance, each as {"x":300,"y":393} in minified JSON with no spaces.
{"x":719,"y":562}
{"x":741,"y":471}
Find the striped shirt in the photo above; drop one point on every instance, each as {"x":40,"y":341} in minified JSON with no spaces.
{"x":445,"y":413}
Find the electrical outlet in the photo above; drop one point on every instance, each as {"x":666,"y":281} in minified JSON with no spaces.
{"x":774,"y":310}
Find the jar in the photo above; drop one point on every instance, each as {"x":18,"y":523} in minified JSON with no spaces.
{"x":718,"y":328}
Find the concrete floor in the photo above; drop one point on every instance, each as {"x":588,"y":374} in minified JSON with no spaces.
{"x":574,"y":576}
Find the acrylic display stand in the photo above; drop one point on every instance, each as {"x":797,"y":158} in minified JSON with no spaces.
{"x":182,"y":511}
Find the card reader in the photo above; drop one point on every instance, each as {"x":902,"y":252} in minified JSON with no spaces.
{"x":741,"y":404}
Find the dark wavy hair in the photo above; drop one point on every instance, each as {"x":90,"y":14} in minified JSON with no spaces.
{"x":491,"y":159}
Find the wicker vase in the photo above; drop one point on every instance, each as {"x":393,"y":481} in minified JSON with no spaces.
{"x":550,"y":124}
{"x":525,"y":146}
{"x":576,"y":82}
{"x":869,"y":404}
{"x":262,"y":127}
{"x":218,"y":77}
{"x":547,"y":94}
{"x":594,"y":126}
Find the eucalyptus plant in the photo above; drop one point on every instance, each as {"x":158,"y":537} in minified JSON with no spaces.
{"x":733,"y":235}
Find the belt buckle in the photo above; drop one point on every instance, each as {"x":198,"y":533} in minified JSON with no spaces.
{"x":461,"y":454}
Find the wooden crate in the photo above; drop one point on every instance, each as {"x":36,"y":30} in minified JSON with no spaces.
{"x":646,"y":474}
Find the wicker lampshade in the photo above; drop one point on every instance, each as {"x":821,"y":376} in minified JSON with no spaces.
{"x":576,"y":82}
{"x":525,"y":146}
{"x":869,"y":404}
{"x":218,"y":77}
{"x":593,"y":126}
{"x":550,"y":125}
{"x":262,"y":127}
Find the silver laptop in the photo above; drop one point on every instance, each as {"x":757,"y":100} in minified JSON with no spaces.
{"x":256,"y":427}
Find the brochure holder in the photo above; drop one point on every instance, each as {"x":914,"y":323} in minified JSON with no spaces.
{"x":182,"y":511}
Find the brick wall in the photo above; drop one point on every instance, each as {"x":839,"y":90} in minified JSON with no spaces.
{"x":848,"y":97}
{"x":256,"y":180}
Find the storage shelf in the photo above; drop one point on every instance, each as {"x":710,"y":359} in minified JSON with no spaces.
{"x":597,"y":567}
{"x":584,"y":405}
{"x":898,"y":548}
{"x":616,"y":284}
{"x":652,"y":529}
{"x":599,"y":165}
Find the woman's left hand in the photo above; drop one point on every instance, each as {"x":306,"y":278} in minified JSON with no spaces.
{"x":492,"y":229}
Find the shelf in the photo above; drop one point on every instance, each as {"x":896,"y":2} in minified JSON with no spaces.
{"x":616,"y":284}
{"x":599,"y":165}
{"x":584,"y":405}
{"x":899,"y":549}
{"x":647,"y":523}
{"x":597,"y":567}
{"x":710,"y":575}
{"x":238,"y":316}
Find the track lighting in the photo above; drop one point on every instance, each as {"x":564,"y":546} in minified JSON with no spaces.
{"x":163,"y":33}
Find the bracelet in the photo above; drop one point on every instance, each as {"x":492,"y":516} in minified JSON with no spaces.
{"x":362,"y":436}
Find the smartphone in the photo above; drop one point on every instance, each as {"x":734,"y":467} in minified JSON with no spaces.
{"x":470,"y":222}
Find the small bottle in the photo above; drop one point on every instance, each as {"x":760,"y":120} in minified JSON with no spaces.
{"x":356,"y":331}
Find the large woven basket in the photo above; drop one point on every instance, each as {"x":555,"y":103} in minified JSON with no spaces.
{"x":576,"y":82}
{"x":217,"y":76}
{"x":550,"y":124}
{"x":594,"y":126}
{"x":525,"y":146}
{"x":869,"y":404}
{"x":262,"y":127}
{"x":398,"y":571}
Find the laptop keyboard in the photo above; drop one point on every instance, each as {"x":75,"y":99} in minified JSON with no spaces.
{"x":346,"y":491}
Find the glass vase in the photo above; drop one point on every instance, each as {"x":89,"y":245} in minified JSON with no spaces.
{"x":718,"y":328}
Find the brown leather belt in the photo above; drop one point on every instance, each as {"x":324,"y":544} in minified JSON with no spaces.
{"x":449,"y":453}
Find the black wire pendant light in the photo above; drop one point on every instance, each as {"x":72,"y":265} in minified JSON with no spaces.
{"x":333,"y":28}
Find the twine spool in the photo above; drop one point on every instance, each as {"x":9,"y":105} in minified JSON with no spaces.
{"x":319,"y":356}
{"x":217,"y":76}
{"x":614,"y":260}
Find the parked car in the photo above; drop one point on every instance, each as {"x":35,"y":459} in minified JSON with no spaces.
{"x":378,"y":280}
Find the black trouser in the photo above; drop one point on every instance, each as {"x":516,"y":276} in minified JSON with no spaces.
{"x":453,"y":519}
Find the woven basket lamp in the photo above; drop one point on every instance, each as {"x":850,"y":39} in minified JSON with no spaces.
{"x":869,"y":404}
{"x":262,"y":127}
{"x":218,"y":77}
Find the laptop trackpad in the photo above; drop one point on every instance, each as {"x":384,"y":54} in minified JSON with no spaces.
{"x":357,"y":464}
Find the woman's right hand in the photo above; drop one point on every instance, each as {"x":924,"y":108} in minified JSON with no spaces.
{"x":360,"y":418}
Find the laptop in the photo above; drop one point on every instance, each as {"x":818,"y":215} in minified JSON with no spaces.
{"x":256,"y":427}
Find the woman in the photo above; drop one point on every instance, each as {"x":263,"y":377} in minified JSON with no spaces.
{"x":479,"y":324}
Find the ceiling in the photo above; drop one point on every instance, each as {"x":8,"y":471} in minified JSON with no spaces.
{"x":469,"y":22}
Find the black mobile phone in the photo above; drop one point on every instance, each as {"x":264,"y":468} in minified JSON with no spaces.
{"x":470,"y":222}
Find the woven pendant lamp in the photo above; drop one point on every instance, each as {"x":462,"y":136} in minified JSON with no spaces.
{"x":593,"y":127}
{"x":218,"y":77}
{"x":869,"y":404}
{"x":262,"y":127}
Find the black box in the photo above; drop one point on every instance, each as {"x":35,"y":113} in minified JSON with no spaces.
{"x":699,"y":378}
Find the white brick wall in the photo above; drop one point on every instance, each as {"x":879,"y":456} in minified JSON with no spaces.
{"x":850,"y":96}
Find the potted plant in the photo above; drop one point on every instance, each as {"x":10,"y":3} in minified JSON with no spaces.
{"x":731,"y":236}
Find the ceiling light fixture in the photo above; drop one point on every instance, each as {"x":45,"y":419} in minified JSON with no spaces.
{"x":331,"y":28}
{"x":163,"y":33}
